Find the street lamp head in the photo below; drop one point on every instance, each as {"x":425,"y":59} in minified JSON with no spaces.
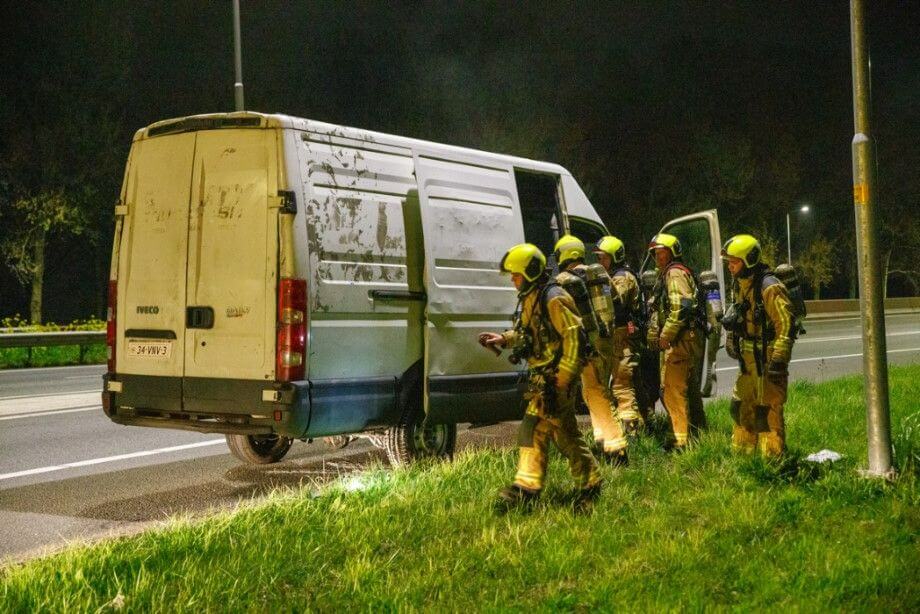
{"x":804,"y":209}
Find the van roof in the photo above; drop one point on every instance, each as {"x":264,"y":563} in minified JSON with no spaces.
{"x":251,"y":119}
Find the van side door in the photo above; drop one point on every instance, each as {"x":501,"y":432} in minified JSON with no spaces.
{"x":470,"y":217}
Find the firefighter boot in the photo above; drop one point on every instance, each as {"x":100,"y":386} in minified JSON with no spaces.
{"x":514,"y":496}
{"x":617,"y":459}
{"x":585,"y":499}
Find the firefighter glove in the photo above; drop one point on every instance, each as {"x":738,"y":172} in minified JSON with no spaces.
{"x":730,"y":347}
{"x":778,"y":372}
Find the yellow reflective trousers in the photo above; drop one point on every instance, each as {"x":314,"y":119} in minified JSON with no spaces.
{"x":595,"y":385}
{"x":547,"y":420}
{"x":757,"y":410}
{"x":680,"y":382}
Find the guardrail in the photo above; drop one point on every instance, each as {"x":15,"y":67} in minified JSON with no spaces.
{"x":82,"y":338}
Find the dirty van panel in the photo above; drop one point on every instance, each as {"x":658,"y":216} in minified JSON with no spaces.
{"x":470,"y":217}
{"x":151,"y":266}
{"x":232,"y":256}
{"x":365,"y":287}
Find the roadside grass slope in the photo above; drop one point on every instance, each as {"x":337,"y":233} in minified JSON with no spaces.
{"x":702,"y":529}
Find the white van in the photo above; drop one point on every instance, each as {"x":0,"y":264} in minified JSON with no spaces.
{"x":275,"y":278}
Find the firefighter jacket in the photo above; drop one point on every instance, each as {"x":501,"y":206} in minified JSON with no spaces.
{"x":556,"y":335}
{"x":774,"y":326}
{"x":676,"y":301}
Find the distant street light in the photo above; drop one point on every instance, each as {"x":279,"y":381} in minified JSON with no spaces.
{"x":802,"y":209}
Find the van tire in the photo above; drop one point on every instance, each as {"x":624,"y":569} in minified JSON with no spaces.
{"x":259,"y":449}
{"x":412,"y":440}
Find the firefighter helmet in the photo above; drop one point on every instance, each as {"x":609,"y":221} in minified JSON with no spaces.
{"x":569,"y":248}
{"x":744,"y":247}
{"x":526,"y":259}
{"x":613,"y":247}
{"x":666,"y":241}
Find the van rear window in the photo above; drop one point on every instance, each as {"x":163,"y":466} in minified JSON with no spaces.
{"x":205,"y":123}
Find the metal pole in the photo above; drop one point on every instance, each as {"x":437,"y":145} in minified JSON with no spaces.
{"x":871,"y":298}
{"x":788,"y":241}
{"x":238,"y":52}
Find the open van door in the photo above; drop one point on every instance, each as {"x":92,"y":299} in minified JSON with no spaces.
{"x":470,"y":216}
{"x":701,"y":242}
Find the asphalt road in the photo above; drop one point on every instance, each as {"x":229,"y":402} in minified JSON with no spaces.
{"x":68,"y":473}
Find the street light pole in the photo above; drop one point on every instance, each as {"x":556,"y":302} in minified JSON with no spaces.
{"x":788,"y":241}
{"x":238,"y":53}
{"x":871,"y":299}
{"x":802,"y":209}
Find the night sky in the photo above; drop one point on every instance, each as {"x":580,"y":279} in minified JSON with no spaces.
{"x":657,"y":108}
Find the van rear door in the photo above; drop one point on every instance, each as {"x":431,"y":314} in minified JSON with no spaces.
{"x":152,"y":261}
{"x":197,"y":270}
{"x":231,"y":282}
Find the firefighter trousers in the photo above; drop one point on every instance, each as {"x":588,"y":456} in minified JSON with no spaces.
{"x":625,"y":362}
{"x":595,"y":386}
{"x":552,"y":420}
{"x":757,"y":410}
{"x":680,"y":383}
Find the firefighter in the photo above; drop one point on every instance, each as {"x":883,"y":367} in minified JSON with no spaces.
{"x":609,"y":435}
{"x":761,"y":325}
{"x":548,"y":334}
{"x":677,"y":334}
{"x":611,"y":253}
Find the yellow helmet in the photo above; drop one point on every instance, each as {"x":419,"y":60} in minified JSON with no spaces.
{"x":664,"y":240}
{"x":613,"y":247}
{"x":526,"y":259}
{"x":569,"y":248}
{"x":744,"y":247}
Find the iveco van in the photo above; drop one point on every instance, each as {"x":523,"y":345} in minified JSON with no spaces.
{"x":276,"y":278}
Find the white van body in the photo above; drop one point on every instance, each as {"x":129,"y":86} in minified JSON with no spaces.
{"x":397,"y":239}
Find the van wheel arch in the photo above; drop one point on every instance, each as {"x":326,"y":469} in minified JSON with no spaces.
{"x":412,"y":438}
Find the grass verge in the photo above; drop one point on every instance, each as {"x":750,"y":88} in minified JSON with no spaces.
{"x":702,"y":529}
{"x":55,"y":356}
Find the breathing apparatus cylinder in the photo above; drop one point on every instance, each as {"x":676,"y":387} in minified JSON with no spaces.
{"x":598,"y":282}
{"x":709,"y":282}
{"x":575,"y":286}
{"x":789,"y":277}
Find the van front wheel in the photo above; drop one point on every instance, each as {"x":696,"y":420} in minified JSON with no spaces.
{"x":413,"y":439}
{"x":259,"y":449}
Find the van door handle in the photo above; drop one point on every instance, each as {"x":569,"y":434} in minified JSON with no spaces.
{"x":199,"y":317}
{"x":397,"y":295}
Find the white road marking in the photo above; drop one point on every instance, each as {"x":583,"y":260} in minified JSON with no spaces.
{"x":51,"y":394}
{"x":852,"y":337}
{"x":53,"y":411}
{"x":108,"y":459}
{"x":47,"y":403}
{"x":818,"y":319}
{"x":827,"y":358}
{"x":74,"y":367}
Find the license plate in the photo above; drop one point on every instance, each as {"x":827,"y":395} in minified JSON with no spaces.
{"x":150,"y":349}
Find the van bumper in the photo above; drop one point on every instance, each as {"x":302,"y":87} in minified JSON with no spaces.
{"x":207,"y":405}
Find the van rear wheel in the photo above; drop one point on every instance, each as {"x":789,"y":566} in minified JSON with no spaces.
{"x":412,"y":439}
{"x":259,"y":449}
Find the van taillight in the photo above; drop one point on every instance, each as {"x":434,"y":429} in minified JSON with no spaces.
{"x":110,"y":323}
{"x":291,"y":356}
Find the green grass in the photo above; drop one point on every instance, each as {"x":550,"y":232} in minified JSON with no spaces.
{"x":700,"y":530}
{"x":55,"y":356}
